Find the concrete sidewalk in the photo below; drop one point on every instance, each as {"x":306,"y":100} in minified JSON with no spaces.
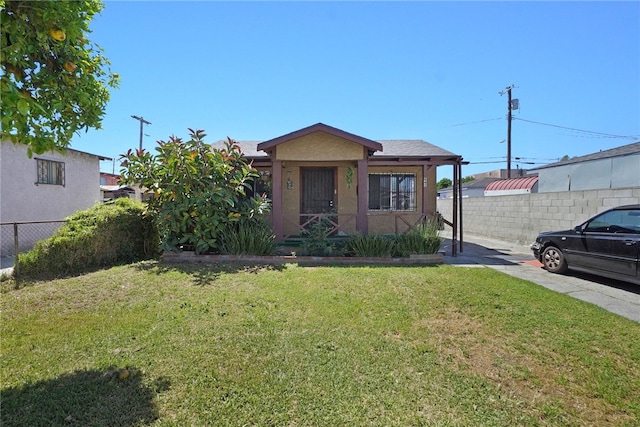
{"x":6,"y":265}
{"x":518,"y":261}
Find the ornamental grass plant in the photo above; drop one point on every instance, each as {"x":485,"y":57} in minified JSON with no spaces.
{"x":252,"y":236}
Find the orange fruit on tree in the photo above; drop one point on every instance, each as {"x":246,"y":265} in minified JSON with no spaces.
{"x":69,"y":66}
{"x":57,"y":34}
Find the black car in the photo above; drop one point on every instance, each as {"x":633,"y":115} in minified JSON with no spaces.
{"x":606,"y":245}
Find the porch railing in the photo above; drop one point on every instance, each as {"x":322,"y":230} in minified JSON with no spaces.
{"x":345,"y":224}
{"x":336,"y":223}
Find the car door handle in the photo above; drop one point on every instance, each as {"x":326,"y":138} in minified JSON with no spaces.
{"x":630,"y":242}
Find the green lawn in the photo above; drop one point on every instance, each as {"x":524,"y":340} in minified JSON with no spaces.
{"x":312,"y":346}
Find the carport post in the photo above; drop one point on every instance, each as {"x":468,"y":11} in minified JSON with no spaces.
{"x":454,"y":228}
{"x":459,"y":165}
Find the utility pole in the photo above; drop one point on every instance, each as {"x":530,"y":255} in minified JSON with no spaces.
{"x":142,"y":123}
{"x":509,"y":108}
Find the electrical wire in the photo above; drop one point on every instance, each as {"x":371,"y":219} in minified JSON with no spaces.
{"x":472,"y":123}
{"x":514,"y":161}
{"x":601,"y":134}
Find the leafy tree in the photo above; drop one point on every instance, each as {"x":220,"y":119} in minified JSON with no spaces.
{"x":54,"y":81}
{"x":198,"y":193}
{"x":444,"y":183}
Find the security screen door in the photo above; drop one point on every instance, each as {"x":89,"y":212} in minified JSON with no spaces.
{"x":318,"y":191}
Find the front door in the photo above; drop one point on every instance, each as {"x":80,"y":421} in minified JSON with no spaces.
{"x":318,"y":191}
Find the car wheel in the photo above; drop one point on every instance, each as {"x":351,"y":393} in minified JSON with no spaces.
{"x":553,"y":260}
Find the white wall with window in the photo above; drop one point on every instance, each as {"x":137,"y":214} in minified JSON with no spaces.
{"x":48,"y":186}
{"x":50,"y":172}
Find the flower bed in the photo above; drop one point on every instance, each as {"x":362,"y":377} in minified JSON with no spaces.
{"x":189,"y":256}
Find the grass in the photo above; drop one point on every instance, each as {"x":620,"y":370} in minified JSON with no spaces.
{"x":150,"y":344}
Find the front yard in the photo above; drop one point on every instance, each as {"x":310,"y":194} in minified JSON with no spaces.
{"x":153,"y":344}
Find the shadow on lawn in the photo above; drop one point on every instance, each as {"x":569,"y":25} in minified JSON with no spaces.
{"x":83,"y":398}
{"x":205,"y":274}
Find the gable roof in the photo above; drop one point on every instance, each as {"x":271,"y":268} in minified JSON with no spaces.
{"x":411,"y":148}
{"x":625,"y":150}
{"x":320,"y":127}
{"x":380,"y":150}
{"x":249,"y":148}
{"x":62,"y":152}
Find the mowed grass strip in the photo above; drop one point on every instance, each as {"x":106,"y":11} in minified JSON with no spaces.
{"x":300,"y":346}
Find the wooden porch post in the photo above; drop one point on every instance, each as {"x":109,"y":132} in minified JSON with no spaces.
{"x":362,"y":222}
{"x":456,"y":196}
{"x":425,"y":188}
{"x":276,"y":208}
{"x":460,"y":205}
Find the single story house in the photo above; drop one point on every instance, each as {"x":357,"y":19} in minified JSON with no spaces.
{"x":358,"y":184}
{"x":45,"y":187}
{"x":112,"y":192}
{"x":609,"y":169}
{"x":111,"y":189}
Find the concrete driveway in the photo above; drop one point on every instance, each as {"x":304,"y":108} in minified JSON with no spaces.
{"x":518,"y":261}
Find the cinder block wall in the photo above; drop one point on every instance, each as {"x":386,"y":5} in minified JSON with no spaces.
{"x":519,"y":218}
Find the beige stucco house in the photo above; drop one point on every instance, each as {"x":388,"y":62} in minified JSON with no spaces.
{"x":360,"y":185}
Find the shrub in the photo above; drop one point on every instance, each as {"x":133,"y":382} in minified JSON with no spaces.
{"x":423,"y":239}
{"x":198,"y":192}
{"x":107,"y":234}
{"x":369,"y":246}
{"x":416,"y":243}
{"x":248,"y":237}
{"x":317,"y":242}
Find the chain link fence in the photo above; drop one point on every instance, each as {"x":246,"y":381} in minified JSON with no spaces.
{"x":19,"y":237}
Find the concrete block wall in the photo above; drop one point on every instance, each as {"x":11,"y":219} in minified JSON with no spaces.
{"x":519,"y":218}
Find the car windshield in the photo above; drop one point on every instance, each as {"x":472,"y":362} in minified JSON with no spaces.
{"x":617,"y":221}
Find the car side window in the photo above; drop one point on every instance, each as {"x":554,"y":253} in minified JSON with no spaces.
{"x":620,"y":221}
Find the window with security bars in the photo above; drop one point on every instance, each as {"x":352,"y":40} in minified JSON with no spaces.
{"x":392,"y":192}
{"x":50,"y":172}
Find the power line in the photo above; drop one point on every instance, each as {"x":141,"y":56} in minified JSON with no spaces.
{"x":518,"y":158}
{"x":471,"y":123}
{"x":503,"y":161}
{"x":604,"y":135}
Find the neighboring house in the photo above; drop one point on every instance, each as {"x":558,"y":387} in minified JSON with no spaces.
{"x":473,"y":188}
{"x":609,"y":169}
{"x":501,"y":174}
{"x":112,"y":192}
{"x":506,"y":187}
{"x":46,"y":187}
{"x":360,"y":185}
{"x":109,"y":178}
{"x":111,"y":189}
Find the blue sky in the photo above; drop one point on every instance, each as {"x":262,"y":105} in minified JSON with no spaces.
{"x":381,"y":70}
